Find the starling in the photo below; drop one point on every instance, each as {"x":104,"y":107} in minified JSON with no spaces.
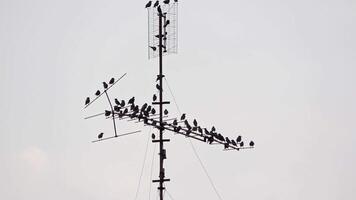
{"x":238,"y":139}
{"x":182,"y":117}
{"x":148,"y":4}
{"x":112,"y":81}
{"x":117,"y":102}
{"x":166,"y":24}
{"x":97,"y":93}
{"x":105,"y":85}
{"x":158,"y":87}
{"x":154,"y":97}
{"x":107,"y":113}
{"x":153,"y":136}
{"x":165,"y":112}
{"x":166,"y":1}
{"x":153,"y":111}
{"x":87,"y":101}
{"x":252,"y":144}
{"x":100,"y":136}
{"x":241,"y":144}
{"x":159,"y":10}
{"x":156,"y":4}
{"x":122,"y":103}
{"x":131,"y":101}
{"x":195,"y":122}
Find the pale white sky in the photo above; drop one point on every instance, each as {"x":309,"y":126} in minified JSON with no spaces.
{"x":279,"y":72}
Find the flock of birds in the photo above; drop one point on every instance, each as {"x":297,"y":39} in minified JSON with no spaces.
{"x":149,"y":116}
{"x":156,"y":4}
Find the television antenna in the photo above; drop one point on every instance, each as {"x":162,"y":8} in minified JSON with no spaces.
{"x":162,"y":40}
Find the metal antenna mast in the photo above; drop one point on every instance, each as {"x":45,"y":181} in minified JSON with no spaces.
{"x":162,"y":34}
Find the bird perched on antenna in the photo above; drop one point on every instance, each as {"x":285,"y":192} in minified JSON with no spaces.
{"x":148,"y":4}
{"x":153,"y":48}
{"x":112,"y":81}
{"x":166,"y":24}
{"x":105,"y":85}
{"x":156,"y":4}
{"x":87,"y":101}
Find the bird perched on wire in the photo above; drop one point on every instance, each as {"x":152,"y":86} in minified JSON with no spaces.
{"x":182,"y":117}
{"x":158,"y":87}
{"x":156,"y":4}
{"x":112,"y":81}
{"x":159,"y":10}
{"x":107,"y":113}
{"x":100,"y":135}
{"x":117,"y":102}
{"x":105,"y":85}
{"x":148,"y":4}
{"x":165,"y":112}
{"x":159,"y":77}
{"x":87,"y":101}
{"x":252,"y":144}
{"x":195,"y":122}
{"x":154,"y":98}
{"x":238,"y":139}
{"x":166,"y":1}
{"x":131,"y":101}
{"x":166,"y":24}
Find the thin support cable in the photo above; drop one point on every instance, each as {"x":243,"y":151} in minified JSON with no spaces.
{"x":205,"y":170}
{"x":174,"y":99}
{"x":143,"y":165}
{"x":170,"y":196}
{"x":153,"y":158}
{"x":194,"y":150}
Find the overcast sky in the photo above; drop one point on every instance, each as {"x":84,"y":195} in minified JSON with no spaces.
{"x":281,"y":73}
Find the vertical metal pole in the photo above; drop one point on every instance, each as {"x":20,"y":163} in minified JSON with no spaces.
{"x":161,"y":158}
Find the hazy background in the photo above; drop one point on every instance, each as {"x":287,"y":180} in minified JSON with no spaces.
{"x":279,"y":72}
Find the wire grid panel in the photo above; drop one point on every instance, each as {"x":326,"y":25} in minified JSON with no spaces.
{"x":170,"y":41}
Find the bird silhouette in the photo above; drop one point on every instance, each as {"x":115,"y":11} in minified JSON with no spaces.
{"x":175,"y":123}
{"x":117,"y":102}
{"x":159,"y":10}
{"x":158,"y":87}
{"x":159,"y":77}
{"x":176,"y":1}
{"x":252,"y":144}
{"x":149,"y":109}
{"x":153,"y":48}
{"x":195,"y":122}
{"x":100,"y":135}
{"x":206,"y":131}
{"x":233,"y":142}
{"x":154,"y":97}
{"x":241,"y":144}
{"x":144,"y":106}
{"x":166,"y":24}
{"x":153,"y":136}
{"x":156,"y":4}
{"x":238,"y":139}
{"x":182,"y":117}
{"x":117,"y":108}
{"x":97,"y":93}
{"x":87,"y":101}
{"x":213,"y":129}
{"x":105,"y":85}
{"x":153,"y":111}
{"x":187,"y":124}
{"x":165,"y":112}
{"x":107,"y":113}
{"x":166,"y":1}
{"x":148,"y":4}
{"x":131,"y":101}
{"x":122,"y":103}
{"x":200,"y":130}
{"x":112,"y":81}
